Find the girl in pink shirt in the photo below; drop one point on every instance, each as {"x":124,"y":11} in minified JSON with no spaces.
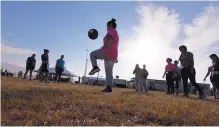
{"x":169,"y":70}
{"x":108,"y":52}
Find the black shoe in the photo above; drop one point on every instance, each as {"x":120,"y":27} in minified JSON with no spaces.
{"x":185,"y":95}
{"x":107,"y":89}
{"x":94,"y":70}
{"x":201,"y":94}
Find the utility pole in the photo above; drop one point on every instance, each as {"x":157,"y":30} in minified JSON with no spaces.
{"x":85,"y":71}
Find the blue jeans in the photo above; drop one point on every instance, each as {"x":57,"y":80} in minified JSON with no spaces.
{"x":108,"y":64}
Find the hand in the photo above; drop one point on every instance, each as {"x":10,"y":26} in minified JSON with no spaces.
{"x":192,"y":70}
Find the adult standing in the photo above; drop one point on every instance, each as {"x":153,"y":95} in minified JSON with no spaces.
{"x":30,"y":65}
{"x":60,"y":65}
{"x":44,"y":68}
{"x":177,"y":76}
{"x":169,"y":72}
{"x":144,"y":78}
{"x":188,"y":71}
{"x":215,"y":72}
{"x":210,"y":69}
{"x":138,"y":75}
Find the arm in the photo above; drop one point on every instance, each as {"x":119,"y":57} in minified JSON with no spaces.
{"x":27,"y":61}
{"x":108,"y":41}
{"x":164,"y":73}
{"x":56,"y":63}
{"x":34,"y":64}
{"x":134,"y":71}
{"x":191,"y":59}
{"x":208,"y":73}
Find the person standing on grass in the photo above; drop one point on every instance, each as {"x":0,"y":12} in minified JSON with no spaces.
{"x":211,"y":80}
{"x":59,"y":68}
{"x":138,"y":75}
{"x":177,"y":76}
{"x":44,"y":69}
{"x":188,"y":72}
{"x":109,"y":53}
{"x":215,"y":72}
{"x":30,"y":65}
{"x":144,"y":78}
{"x":169,"y":71}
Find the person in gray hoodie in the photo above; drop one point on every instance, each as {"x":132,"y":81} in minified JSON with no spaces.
{"x":138,"y":75}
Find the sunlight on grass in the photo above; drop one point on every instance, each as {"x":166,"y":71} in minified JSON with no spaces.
{"x":33,"y":103}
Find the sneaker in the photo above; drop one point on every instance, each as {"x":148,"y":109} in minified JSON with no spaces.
{"x":107,"y":89}
{"x":94,"y":70}
{"x":215,"y":98}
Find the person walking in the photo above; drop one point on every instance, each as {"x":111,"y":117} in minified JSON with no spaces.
{"x":188,"y":72}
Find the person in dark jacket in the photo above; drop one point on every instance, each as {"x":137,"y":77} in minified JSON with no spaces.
{"x":215,"y":72}
{"x":44,"y":68}
{"x":30,"y":65}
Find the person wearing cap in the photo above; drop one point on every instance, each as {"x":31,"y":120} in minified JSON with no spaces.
{"x":138,"y":74}
{"x":44,"y":69}
{"x":188,"y":72}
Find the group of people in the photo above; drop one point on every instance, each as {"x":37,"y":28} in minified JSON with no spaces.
{"x":43,"y":71}
{"x":6,"y":73}
{"x":141,"y":78}
{"x":187,"y":71}
{"x":109,"y":53}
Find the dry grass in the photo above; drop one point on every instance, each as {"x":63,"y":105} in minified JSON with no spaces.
{"x":33,"y":103}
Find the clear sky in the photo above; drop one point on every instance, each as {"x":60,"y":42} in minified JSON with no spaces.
{"x":62,"y":28}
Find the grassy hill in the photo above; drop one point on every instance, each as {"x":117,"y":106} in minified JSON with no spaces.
{"x":33,"y":103}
